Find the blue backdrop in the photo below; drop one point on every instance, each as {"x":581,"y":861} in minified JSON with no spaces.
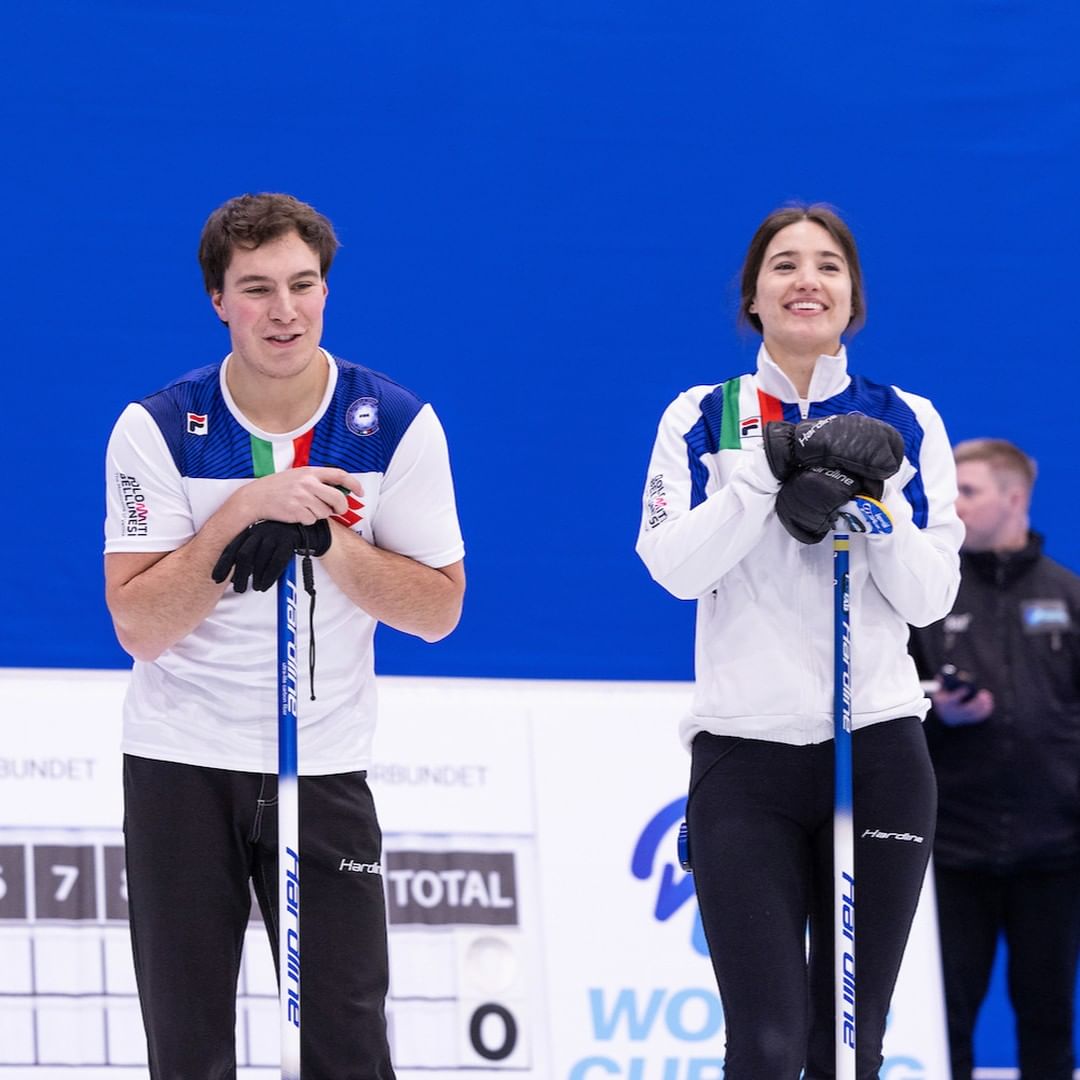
{"x":543,"y":208}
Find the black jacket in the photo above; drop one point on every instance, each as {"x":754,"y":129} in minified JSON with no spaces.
{"x":1009,"y":788}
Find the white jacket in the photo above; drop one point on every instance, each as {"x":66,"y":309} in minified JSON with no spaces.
{"x":709,"y":531}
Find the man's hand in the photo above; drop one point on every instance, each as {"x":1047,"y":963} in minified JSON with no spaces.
{"x":262,"y":551}
{"x":304,"y":495}
{"x":955,"y":709}
{"x":851,"y":442}
{"x":809,"y":502}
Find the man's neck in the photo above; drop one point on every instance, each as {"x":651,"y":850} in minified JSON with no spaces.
{"x":280,"y":405}
{"x":1008,"y":541}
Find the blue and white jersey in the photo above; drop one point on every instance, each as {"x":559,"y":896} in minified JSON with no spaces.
{"x":172,"y":460}
{"x":709,"y":532}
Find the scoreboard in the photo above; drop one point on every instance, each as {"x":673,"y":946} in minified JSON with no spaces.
{"x":460,"y":964}
{"x":465,"y":961}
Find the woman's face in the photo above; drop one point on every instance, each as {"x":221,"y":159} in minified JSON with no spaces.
{"x":803,"y":294}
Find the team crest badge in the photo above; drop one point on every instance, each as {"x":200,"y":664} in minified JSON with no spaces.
{"x":363,"y":416}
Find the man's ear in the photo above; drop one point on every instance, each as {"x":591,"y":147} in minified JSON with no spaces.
{"x":1019,"y":498}
{"x":219,"y":308}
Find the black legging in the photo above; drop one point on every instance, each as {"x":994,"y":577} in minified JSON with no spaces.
{"x":760,"y":821}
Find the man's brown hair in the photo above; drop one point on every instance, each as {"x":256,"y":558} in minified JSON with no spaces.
{"x":249,"y":221}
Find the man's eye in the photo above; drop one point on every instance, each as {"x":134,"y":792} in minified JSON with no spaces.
{"x":303,"y":286}
{"x":256,"y":290}
{"x":784,"y":266}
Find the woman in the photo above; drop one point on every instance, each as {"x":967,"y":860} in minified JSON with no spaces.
{"x":743,"y":484}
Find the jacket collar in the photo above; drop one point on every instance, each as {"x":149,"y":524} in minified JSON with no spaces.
{"x":830,"y":377}
{"x":1005,"y":567}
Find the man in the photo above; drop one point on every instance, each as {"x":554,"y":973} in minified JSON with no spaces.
{"x":213,"y":483}
{"x":1005,"y":742}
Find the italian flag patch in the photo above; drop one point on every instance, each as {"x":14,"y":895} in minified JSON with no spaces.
{"x":271,"y":457}
{"x":746,"y":412}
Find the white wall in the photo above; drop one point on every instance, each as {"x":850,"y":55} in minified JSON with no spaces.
{"x":511,"y":811}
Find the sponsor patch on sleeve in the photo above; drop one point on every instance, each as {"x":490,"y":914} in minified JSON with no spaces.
{"x":655,"y":501}
{"x":136,"y":520}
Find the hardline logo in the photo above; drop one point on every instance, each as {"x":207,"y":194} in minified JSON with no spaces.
{"x":289,"y":680}
{"x":355,"y":867}
{"x":878,"y":834}
{"x":292,"y":935}
{"x":811,"y":431}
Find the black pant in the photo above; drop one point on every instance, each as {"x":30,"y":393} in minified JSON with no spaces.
{"x":760,"y":823}
{"x":195,"y":838}
{"x":1039,"y":915}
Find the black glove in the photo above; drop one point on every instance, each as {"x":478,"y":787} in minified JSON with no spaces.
{"x":263,"y":550}
{"x":851,"y":442}
{"x":809,"y":502}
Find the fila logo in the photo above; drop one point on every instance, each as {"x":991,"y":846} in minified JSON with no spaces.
{"x":196,"y":423}
{"x":750,"y":426}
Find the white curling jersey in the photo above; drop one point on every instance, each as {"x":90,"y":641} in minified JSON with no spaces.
{"x":172,"y":460}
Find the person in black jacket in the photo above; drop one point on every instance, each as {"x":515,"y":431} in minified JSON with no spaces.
{"x":1005,"y":742}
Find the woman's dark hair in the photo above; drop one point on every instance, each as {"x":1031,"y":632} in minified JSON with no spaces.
{"x":823,"y":215}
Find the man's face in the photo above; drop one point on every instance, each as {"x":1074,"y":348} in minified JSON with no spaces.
{"x":986,"y":507}
{"x":273,"y":300}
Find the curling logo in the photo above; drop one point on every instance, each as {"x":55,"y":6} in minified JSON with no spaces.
{"x":676,"y":888}
{"x":363,"y":416}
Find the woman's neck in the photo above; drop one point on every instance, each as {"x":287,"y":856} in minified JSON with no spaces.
{"x":798,"y":365}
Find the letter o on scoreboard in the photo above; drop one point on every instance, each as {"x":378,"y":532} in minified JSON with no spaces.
{"x":477,"y":1032}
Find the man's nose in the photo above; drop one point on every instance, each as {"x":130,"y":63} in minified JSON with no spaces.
{"x":283,"y":308}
